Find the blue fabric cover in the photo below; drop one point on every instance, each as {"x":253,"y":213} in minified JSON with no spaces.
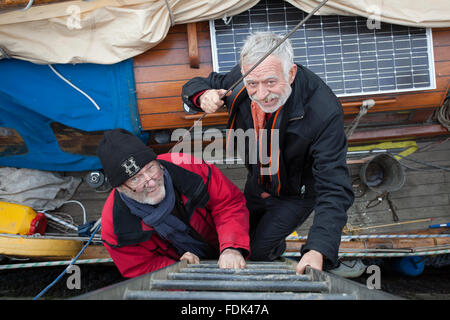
{"x":32,"y":96}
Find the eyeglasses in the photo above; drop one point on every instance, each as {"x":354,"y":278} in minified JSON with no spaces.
{"x":151,"y":171}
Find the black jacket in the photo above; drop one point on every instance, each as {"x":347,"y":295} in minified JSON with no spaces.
{"x":313,"y":147}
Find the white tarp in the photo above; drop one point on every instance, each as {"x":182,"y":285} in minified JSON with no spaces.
{"x":101,"y":31}
{"x":109,"y":31}
{"x":415,"y":13}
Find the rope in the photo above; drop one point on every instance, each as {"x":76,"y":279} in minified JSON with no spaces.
{"x":443,"y":113}
{"x":74,"y":86}
{"x":68,"y":267}
{"x":52,"y":263}
{"x":387,"y":254}
{"x":380,"y":236}
{"x":30,"y":3}
{"x":58,"y":220}
{"x":392,"y":254}
{"x":84,"y":210}
{"x":365,"y":106}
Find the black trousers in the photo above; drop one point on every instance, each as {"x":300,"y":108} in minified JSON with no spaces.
{"x":272,"y":220}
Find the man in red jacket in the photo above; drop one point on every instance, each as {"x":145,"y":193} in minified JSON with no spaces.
{"x":160,"y":212}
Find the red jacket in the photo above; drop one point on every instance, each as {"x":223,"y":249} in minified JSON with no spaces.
{"x":217,"y":211}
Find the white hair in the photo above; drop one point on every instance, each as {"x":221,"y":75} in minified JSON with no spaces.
{"x":258,"y":44}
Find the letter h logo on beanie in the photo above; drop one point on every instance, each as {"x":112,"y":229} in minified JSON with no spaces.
{"x":131,"y":168}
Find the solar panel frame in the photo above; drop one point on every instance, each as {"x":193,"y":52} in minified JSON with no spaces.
{"x":351,"y":58}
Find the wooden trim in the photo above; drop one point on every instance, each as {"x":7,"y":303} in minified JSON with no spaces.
{"x":6,"y":4}
{"x":398,"y":133}
{"x":359,"y":103}
{"x":199,"y":115}
{"x":193,"y":45}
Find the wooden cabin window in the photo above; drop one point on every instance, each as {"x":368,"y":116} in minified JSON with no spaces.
{"x":76,"y":141}
{"x":11,"y":143}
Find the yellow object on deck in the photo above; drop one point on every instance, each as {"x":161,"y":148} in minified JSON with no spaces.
{"x":25,"y":246}
{"x":16,"y":218}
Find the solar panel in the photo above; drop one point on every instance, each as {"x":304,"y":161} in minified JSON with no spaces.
{"x":350,"y":57}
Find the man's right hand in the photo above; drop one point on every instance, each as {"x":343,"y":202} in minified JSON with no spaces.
{"x":210,"y":100}
{"x":190,"y":258}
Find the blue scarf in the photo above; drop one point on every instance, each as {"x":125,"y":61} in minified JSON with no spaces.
{"x":168,"y":226}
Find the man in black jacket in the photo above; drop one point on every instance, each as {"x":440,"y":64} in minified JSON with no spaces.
{"x":308,"y":152}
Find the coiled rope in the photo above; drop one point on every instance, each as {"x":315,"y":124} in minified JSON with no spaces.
{"x":443,"y":113}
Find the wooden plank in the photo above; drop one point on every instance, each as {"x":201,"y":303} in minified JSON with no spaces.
{"x":160,"y":105}
{"x":406,"y":201}
{"x":7,"y":4}
{"x":420,"y":177}
{"x":437,"y":155}
{"x":179,"y":41}
{"x":398,"y":133}
{"x":168,"y":73}
{"x":174,"y":120}
{"x":442,"y":68}
{"x":441,"y":37}
{"x":404,"y":215}
{"x":441,"y":53}
{"x":295,"y":245}
{"x":159,"y":89}
{"x":435,"y":145}
{"x":358,"y":214}
{"x":171,"y":57}
{"x":95,"y":252}
{"x":421,"y":190}
{"x":193,"y":45}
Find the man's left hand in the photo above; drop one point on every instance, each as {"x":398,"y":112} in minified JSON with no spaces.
{"x":312,"y":258}
{"x":231,"y":259}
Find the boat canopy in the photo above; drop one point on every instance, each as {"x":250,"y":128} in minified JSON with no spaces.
{"x":110,"y":31}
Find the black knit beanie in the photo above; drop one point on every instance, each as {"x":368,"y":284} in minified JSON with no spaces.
{"x":122,"y":155}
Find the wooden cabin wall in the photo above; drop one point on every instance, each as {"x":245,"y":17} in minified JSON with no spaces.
{"x":13,"y":4}
{"x":161,"y":72}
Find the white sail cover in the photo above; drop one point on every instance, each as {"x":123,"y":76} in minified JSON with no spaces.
{"x":110,"y":31}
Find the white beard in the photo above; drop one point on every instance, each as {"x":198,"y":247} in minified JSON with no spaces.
{"x":281,"y":100}
{"x":156,"y":198}
{"x":141,"y":197}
